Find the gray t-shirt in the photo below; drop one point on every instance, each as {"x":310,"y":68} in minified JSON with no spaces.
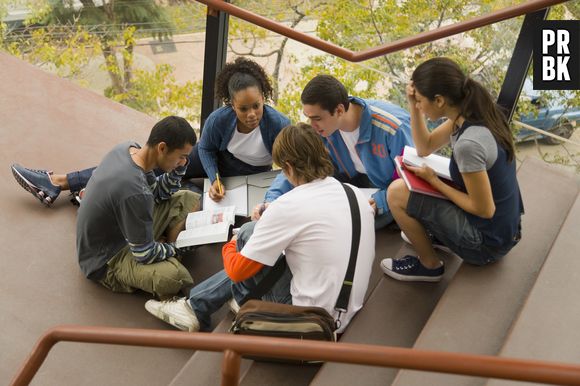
{"x":475,"y":150}
{"x":117,"y":208}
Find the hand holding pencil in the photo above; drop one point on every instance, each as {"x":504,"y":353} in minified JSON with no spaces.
{"x":217,"y":190}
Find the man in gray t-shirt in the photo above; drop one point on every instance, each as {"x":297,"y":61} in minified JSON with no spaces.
{"x":129,"y":218}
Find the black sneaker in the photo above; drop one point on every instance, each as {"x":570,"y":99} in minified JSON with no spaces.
{"x":409,"y":268}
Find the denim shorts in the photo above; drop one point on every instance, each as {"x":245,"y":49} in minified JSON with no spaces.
{"x":449,"y":225}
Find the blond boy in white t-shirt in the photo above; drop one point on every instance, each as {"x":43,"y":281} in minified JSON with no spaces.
{"x":310,"y":224}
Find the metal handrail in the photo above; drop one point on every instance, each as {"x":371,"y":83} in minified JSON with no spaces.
{"x":401,"y":44}
{"x":234,"y":346}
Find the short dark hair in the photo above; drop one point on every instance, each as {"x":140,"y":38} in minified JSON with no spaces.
{"x":301,"y":147}
{"x":176,"y":132}
{"x":325,"y":91}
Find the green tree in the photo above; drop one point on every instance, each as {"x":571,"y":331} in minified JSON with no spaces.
{"x":292,"y":12}
{"x":115,"y":23}
{"x":66,"y":49}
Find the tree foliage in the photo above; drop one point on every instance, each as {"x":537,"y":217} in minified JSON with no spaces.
{"x":64,"y":39}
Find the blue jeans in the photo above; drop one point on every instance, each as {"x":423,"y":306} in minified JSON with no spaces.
{"x":210,"y":295}
{"x":79,"y":179}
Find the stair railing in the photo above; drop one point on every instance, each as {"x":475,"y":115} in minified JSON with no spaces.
{"x":234,"y":346}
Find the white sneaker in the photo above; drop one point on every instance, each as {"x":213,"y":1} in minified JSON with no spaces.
{"x":436,"y":245}
{"x":176,"y":312}
{"x":234,"y":306}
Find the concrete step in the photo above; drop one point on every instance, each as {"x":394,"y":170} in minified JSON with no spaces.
{"x":49,"y":122}
{"x":394,"y":315}
{"x":204,"y":367}
{"x":481,"y":303}
{"x":547,"y":326}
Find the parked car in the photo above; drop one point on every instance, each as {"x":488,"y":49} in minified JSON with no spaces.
{"x":557,"y":119}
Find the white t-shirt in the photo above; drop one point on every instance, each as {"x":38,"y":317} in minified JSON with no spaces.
{"x":350,"y":139}
{"x":312,"y":224}
{"x":250,"y":148}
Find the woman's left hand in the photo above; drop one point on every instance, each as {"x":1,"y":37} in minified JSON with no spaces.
{"x":425,"y":172}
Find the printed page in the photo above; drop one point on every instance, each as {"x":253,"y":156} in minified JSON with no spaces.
{"x":207,"y":234}
{"x":237,"y":197}
{"x":436,"y":162}
{"x":212,"y":216}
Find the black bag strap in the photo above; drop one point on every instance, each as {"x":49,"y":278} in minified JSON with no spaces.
{"x":344,"y":295}
{"x":268,"y":281}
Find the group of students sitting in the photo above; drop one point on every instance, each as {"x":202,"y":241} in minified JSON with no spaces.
{"x":134,"y":208}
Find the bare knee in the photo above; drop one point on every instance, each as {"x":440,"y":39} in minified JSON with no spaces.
{"x":397,"y":194}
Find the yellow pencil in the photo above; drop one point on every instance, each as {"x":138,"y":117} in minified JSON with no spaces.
{"x":217,"y":176}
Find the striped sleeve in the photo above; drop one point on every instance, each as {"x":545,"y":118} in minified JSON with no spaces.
{"x":167,"y":184}
{"x":152,"y":252}
{"x":384,"y":120}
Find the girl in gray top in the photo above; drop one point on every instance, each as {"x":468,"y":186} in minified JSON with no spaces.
{"x":480,"y":221}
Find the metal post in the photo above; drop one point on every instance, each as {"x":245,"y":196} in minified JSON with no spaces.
{"x":216,"y":44}
{"x":231,"y":368}
{"x":520,"y":63}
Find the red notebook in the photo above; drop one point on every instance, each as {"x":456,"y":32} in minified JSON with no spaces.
{"x":417,"y":184}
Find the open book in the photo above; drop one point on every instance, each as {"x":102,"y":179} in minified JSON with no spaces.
{"x":243,"y":192}
{"x":206,"y":227}
{"x":417,"y":184}
{"x":436,"y":162}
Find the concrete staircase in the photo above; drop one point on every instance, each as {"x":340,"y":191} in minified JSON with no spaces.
{"x":522,"y":307}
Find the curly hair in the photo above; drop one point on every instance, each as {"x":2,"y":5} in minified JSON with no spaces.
{"x":239,"y":75}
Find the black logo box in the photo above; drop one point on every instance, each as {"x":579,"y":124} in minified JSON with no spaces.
{"x":573,"y":64}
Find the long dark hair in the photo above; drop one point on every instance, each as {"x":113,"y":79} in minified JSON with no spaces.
{"x":442,"y":76}
{"x":239,"y":75}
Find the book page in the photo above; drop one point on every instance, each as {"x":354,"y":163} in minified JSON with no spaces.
{"x":368,"y":192}
{"x":237,"y":197}
{"x":210,"y":216}
{"x":436,"y":162}
{"x":207,"y":234}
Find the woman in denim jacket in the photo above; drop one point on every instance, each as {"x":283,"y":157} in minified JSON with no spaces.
{"x":237,"y":138}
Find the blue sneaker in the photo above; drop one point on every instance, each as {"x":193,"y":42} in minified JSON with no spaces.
{"x":409,"y":268}
{"x":37,"y":182}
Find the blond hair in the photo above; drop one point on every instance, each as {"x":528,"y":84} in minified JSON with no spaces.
{"x":302,"y":148}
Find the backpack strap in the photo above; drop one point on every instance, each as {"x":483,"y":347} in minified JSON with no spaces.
{"x":344,"y":295}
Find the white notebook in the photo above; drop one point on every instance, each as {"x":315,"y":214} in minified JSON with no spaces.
{"x":436,"y":162}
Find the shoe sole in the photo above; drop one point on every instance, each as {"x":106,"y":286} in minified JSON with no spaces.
{"x":400,"y":277}
{"x":440,"y":247}
{"x":31,"y":188}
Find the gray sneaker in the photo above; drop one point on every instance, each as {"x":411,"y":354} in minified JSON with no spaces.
{"x":176,"y":312}
{"x":37,"y":182}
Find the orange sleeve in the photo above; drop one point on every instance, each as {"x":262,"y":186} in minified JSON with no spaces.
{"x":238,"y":267}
